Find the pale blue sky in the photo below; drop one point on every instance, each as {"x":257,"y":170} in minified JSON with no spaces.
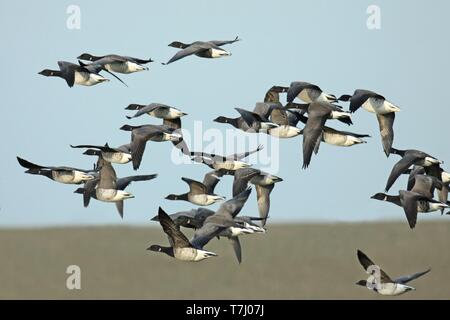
{"x":323,"y":42}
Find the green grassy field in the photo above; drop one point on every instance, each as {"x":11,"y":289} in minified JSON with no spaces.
{"x":303,"y":261}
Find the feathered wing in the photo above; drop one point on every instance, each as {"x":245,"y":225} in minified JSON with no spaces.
{"x":386,"y":124}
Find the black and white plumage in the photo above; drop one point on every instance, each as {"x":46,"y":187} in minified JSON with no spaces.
{"x":208,"y":49}
{"x":412,"y":202}
{"x":200,"y":193}
{"x":410,"y":157}
{"x":263,"y":182}
{"x":120,"y":155}
{"x":61,"y":174}
{"x":381,"y":282}
{"x":180,"y":247}
{"x":229,"y":162}
{"x":157,"y":110}
{"x":117,"y":63}
{"x":75,"y":74}
{"x":157,"y":133}
{"x":376,"y":103}
{"x":308,"y":93}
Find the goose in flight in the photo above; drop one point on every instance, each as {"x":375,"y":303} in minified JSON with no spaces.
{"x":66,"y":175}
{"x":217,"y":162}
{"x":157,"y":110}
{"x":120,"y":155}
{"x":380,"y":282}
{"x":75,"y":74}
{"x":157,"y":133}
{"x":384,"y":110}
{"x":411,"y":157}
{"x":208,"y":49}
{"x":308,"y":92}
{"x":180,"y":247}
{"x":200,"y":193}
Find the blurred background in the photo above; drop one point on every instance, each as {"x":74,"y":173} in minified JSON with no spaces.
{"x":318,"y":216}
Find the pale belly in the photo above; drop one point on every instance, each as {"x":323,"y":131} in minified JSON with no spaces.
{"x":304,"y":95}
{"x":116,"y":157}
{"x":378,"y":106}
{"x":122,"y":67}
{"x":87,"y":79}
{"x":165,"y":113}
{"x":391,"y":289}
{"x":64,"y":177}
{"x":227,"y":165}
{"x":106,"y":195}
{"x":284,"y":131}
{"x":186,"y":254}
{"x":201,"y":199}
{"x":335,"y":139}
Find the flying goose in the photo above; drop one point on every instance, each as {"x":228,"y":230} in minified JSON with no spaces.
{"x":217,"y":162}
{"x":264,"y":184}
{"x":381,"y":283}
{"x":412,"y":202}
{"x":318,"y":113}
{"x":201,"y":194}
{"x":308,"y":92}
{"x":75,"y":74}
{"x":438,"y":174}
{"x":195,"y":218}
{"x":376,"y":103}
{"x":333,"y":136}
{"x":108,"y":188}
{"x":66,"y":175}
{"x":89,"y":191}
{"x":116,"y":63}
{"x":224,"y":222}
{"x":255,"y":122}
{"x":157,"y":110}
{"x":409,"y":158}
{"x":180,"y":247}
{"x":209,"y":49}
{"x":120,"y":155}
{"x":246,"y":226}
{"x":158,"y":133}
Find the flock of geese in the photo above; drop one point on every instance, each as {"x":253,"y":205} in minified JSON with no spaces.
{"x":314,"y":108}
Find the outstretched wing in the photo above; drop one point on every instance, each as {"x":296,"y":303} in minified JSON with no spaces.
{"x":220,"y":43}
{"x":365,"y":261}
{"x":176,"y":238}
{"x":386,"y":124}
{"x":192,"y":49}
{"x":408,"y":278}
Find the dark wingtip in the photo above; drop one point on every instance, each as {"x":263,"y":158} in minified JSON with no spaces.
{"x":128,"y":117}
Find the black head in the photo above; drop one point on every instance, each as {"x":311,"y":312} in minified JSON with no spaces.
{"x":222,"y":119}
{"x":86,"y":56}
{"x":379,"y":196}
{"x":178,"y":44}
{"x":48,"y":73}
{"x":362,"y":283}
{"x":155,"y":248}
{"x":92,"y":152}
{"x":173,"y":197}
{"x":182,"y":221}
{"x":126,"y":127}
{"x":345,"y":97}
